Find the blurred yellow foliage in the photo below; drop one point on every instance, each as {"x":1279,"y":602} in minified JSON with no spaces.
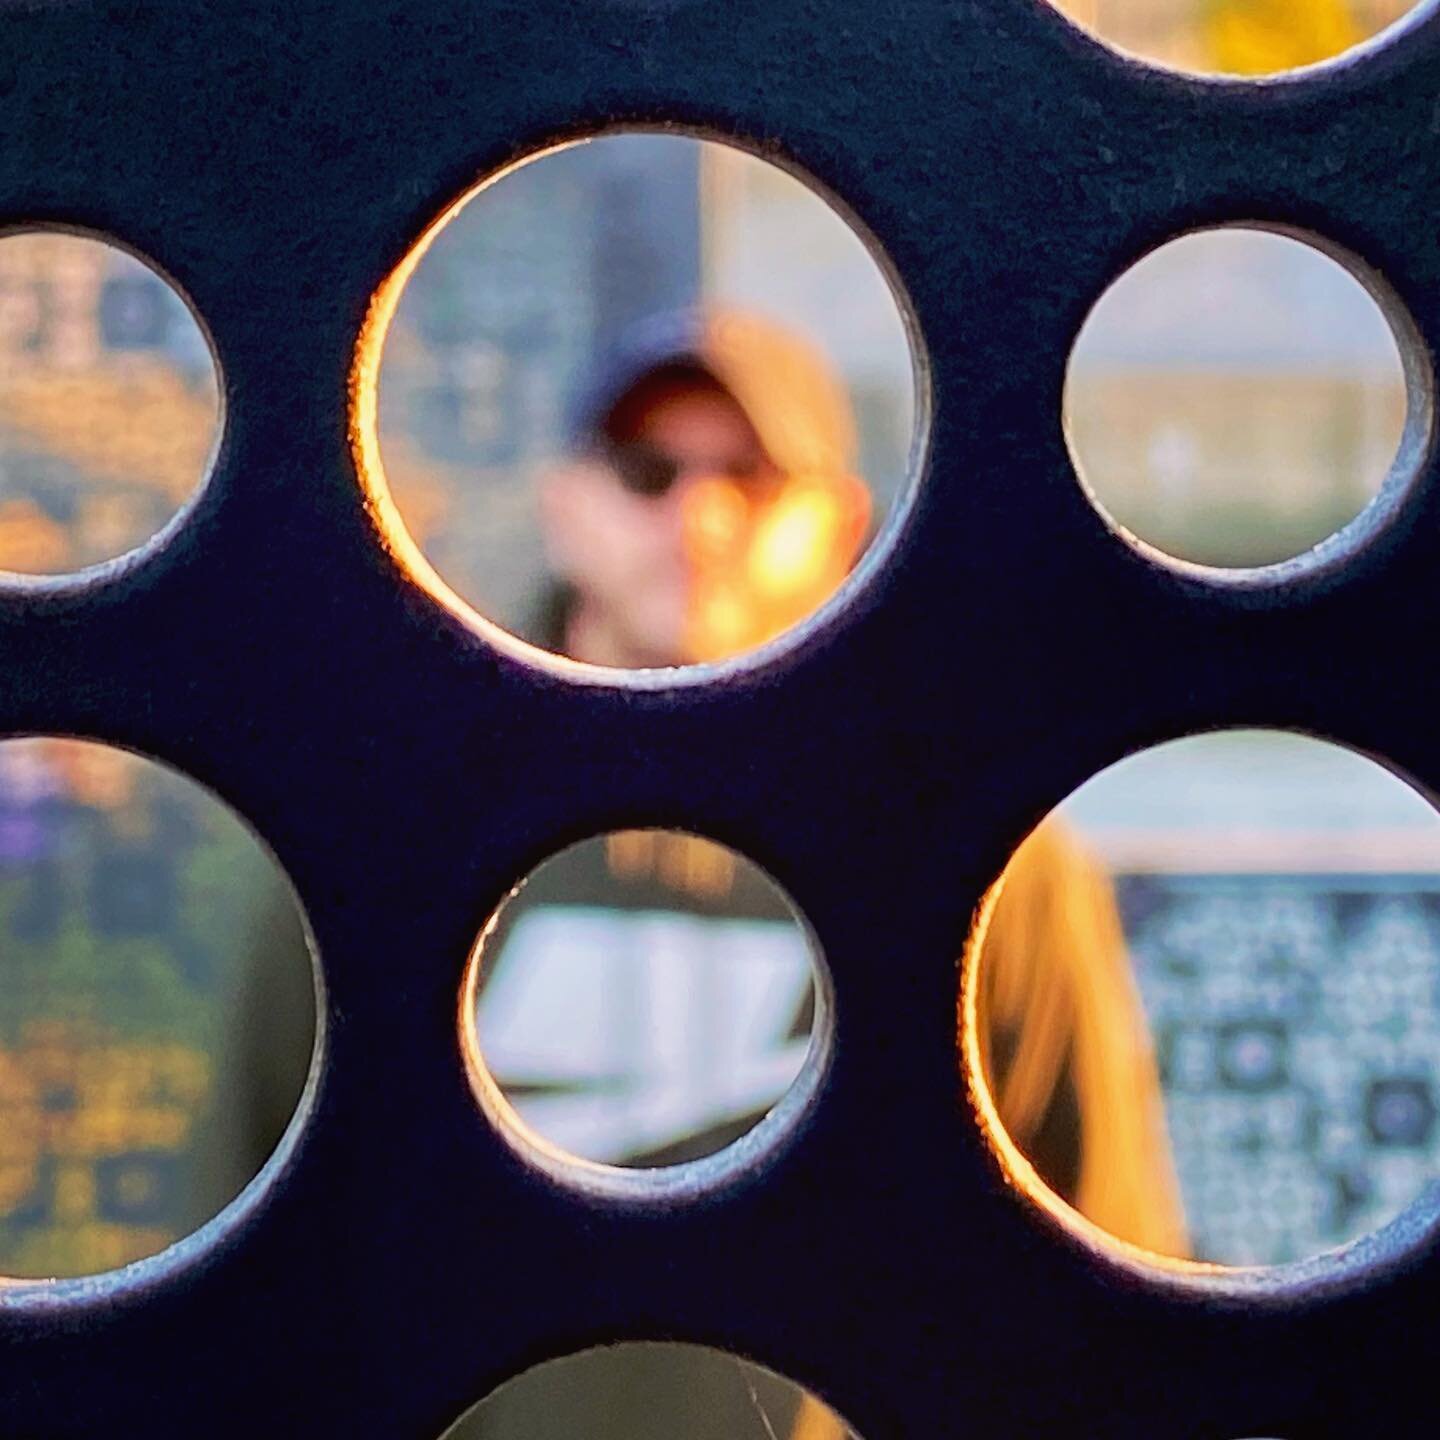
{"x":1260,"y":37}
{"x":136,"y":422}
{"x":73,"y":1096}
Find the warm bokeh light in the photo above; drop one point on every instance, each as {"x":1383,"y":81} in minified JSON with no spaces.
{"x":1236,"y":37}
{"x":762,"y":566}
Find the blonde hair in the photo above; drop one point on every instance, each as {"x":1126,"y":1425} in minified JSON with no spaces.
{"x":1055,"y":978}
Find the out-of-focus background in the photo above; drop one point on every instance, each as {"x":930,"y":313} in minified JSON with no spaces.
{"x":533,"y":286}
{"x":1280,"y":898}
{"x":645,"y":998}
{"x":1234,"y":399}
{"x":1235,"y":37}
{"x":109,"y":403}
{"x":1233,"y":355}
{"x":132,"y":904}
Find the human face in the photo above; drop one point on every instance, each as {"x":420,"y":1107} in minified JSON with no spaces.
{"x":702,"y":433}
{"x":638,"y":560}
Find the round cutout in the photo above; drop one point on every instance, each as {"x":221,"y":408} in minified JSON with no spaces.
{"x":109,"y":402}
{"x":1236,"y":398}
{"x":157,"y":1008}
{"x":643,"y":401}
{"x":1235,"y":37}
{"x":1206,"y":1005}
{"x":644,"y":999}
{"x":650,"y":1391}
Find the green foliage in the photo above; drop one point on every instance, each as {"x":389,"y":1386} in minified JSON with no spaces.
{"x":169,"y":982}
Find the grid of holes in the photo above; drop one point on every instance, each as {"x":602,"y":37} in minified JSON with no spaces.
{"x":1420,"y":404}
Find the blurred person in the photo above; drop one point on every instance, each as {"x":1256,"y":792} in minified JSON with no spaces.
{"x":712,"y":502}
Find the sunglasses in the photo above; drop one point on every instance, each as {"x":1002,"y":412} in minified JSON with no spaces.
{"x":646,"y":470}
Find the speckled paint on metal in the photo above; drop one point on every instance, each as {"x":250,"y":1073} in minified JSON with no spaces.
{"x":277,"y":158}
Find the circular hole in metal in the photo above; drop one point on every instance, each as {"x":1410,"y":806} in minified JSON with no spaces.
{"x":109,"y":402}
{"x":1236,"y":37}
{"x":157,"y":1007}
{"x":1238,"y":397}
{"x":1205,"y":1007}
{"x":644,"y":401}
{"x":650,"y":1391}
{"x":644,"y":999}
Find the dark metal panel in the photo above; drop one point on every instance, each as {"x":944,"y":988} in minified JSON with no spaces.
{"x":278,"y":159}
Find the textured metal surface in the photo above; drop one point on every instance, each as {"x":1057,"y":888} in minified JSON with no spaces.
{"x":277,"y":158}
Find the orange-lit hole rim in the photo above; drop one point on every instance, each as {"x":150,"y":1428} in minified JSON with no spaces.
{"x":722,"y":879}
{"x":1394,"y":852}
{"x":785,"y":542}
{"x":1017,"y":1168}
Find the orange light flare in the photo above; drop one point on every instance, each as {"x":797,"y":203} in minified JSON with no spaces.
{"x":760,"y":564}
